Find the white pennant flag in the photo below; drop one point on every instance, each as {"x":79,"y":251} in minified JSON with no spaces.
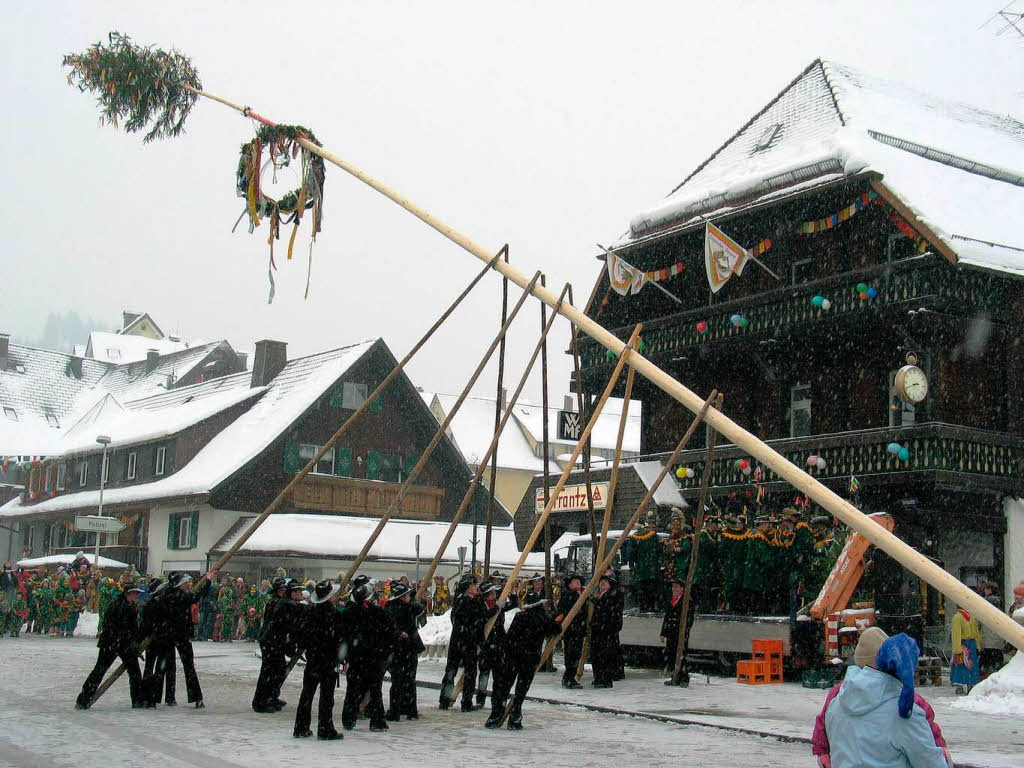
{"x":624,"y":277}
{"x":723,"y":257}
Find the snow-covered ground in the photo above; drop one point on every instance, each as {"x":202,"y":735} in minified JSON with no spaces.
{"x":42,"y":676}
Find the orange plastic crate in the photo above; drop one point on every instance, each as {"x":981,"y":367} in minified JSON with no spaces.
{"x":751,"y":672}
{"x":767,"y":650}
{"x":775,"y":671}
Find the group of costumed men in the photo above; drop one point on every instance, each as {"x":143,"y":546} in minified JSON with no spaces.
{"x":764,"y":568}
{"x":166,"y":623}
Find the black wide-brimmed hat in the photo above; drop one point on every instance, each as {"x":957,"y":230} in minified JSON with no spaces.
{"x":156,"y":586}
{"x":534,"y":601}
{"x":324,"y":590}
{"x":176,"y":579}
{"x":488,"y":586}
{"x":399,"y":590}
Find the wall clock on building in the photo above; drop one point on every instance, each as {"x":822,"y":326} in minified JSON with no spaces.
{"x":910,"y":382}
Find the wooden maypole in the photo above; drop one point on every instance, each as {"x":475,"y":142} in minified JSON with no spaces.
{"x":186,"y":87}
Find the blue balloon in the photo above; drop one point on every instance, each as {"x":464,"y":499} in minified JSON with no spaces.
{"x":904,"y":454}
{"x":893,"y":448}
{"x":872,"y":293}
{"x":735,"y":319}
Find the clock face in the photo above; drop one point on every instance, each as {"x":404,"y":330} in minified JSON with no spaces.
{"x":915,"y":384}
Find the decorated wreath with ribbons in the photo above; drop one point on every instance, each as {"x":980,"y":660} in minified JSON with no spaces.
{"x":281,"y":144}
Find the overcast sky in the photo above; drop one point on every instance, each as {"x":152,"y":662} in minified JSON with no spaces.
{"x":541,"y":124}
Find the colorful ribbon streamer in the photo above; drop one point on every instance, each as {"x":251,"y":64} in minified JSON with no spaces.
{"x":837,"y":218}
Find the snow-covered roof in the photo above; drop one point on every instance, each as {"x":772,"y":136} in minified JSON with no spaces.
{"x":52,"y":560}
{"x":343,"y":537}
{"x":284,"y":400}
{"x":531,"y":418}
{"x":119,"y":348}
{"x":957,"y":168}
{"x":54,"y":408}
{"x":668,"y":492}
{"x":472,"y":429}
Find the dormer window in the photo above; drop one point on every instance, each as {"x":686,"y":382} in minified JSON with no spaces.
{"x":10,"y":413}
{"x":52,"y":420}
{"x":771,"y":133}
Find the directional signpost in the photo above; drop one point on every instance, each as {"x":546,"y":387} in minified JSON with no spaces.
{"x":98,"y":524}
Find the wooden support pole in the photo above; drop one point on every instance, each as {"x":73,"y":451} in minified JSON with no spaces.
{"x":491,"y":449}
{"x":613,"y":480}
{"x":547,"y":446}
{"x":438,"y":435}
{"x":767,"y":456}
{"x":610,"y":556}
{"x":678,"y":667}
{"x":497,"y":420}
{"x":549,"y":501}
{"x":255,"y":524}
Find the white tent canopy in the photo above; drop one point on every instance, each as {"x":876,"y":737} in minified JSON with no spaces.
{"x":55,"y":560}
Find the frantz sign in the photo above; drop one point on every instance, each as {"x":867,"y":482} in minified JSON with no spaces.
{"x":573,"y":498}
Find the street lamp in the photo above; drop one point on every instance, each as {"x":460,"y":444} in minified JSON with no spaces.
{"x":103,"y":440}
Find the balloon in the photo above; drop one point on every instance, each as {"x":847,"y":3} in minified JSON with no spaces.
{"x":690,"y":472}
{"x":735,"y":319}
{"x":818,"y":301}
{"x":820,"y":463}
{"x":609,"y":354}
{"x":643,"y":345}
{"x":702,"y":327}
{"x":872,"y":293}
{"x":893,"y":448}
{"x":681,"y":472}
{"x":744,"y":322}
{"x":744,"y":464}
{"x":904,"y":454}
{"x":862,"y":287}
{"x":745,"y":470}
{"x":826,"y":305}
{"x":736,"y":464}
{"x":812,"y":461}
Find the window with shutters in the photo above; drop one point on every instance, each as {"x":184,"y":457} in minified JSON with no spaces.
{"x":183,"y":530}
{"x":323,"y":467}
{"x":393,"y":468}
{"x":353,"y":395}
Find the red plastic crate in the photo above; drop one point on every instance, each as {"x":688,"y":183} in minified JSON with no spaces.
{"x":751,"y":672}
{"x":767,"y":650}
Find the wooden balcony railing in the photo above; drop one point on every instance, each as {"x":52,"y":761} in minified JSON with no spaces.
{"x":327,"y":493}
{"x":942,"y":452}
{"x":899,"y":284}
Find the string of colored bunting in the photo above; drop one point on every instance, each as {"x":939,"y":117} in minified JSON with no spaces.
{"x":678,"y":268}
{"x":843,"y":214}
{"x":811,"y":227}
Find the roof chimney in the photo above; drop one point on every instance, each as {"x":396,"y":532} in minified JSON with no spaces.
{"x":127,"y":318}
{"x":243,"y":360}
{"x":569,"y":403}
{"x":152,"y":358}
{"x":268,"y":360}
{"x":5,"y":350}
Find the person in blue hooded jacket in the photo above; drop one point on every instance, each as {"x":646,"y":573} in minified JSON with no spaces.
{"x":874,"y":723}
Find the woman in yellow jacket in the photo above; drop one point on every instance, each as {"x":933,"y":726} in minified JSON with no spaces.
{"x":966,"y":647}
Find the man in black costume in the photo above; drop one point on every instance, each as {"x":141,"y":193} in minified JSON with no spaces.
{"x":120,"y":638}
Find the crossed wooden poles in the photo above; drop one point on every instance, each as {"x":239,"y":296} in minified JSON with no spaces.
{"x":758,"y":449}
